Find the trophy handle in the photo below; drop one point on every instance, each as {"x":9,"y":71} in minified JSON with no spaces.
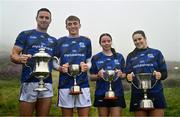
{"x":156,"y":79}
{"x":154,"y":84}
{"x":25,"y":64}
{"x":54,"y":57}
{"x":134,"y":85}
{"x":133,"y":82}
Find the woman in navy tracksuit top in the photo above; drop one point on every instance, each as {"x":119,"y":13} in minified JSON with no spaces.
{"x":146,"y":60}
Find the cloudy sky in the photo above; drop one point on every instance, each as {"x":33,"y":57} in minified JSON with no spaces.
{"x":160,"y":19}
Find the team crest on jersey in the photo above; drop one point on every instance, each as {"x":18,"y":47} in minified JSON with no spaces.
{"x":50,"y":40}
{"x":42,"y":36}
{"x":100,"y":62}
{"x":81,"y":44}
{"x":150,"y":56}
{"x":116,"y":61}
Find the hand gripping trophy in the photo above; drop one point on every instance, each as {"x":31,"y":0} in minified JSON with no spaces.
{"x":41,"y":68}
{"x":74,"y":71}
{"x":110,"y":76}
{"x":144,"y":83}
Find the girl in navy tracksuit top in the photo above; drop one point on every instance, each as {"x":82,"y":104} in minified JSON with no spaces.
{"x":146,"y":60}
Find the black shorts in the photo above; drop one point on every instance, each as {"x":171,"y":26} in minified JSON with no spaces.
{"x":99,"y":101}
{"x":158,"y":100}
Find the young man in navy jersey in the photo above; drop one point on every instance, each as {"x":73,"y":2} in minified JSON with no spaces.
{"x":146,"y":60}
{"x":73,"y":49}
{"x":26,"y":45}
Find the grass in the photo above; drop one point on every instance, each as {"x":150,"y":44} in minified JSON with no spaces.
{"x":9,"y":95}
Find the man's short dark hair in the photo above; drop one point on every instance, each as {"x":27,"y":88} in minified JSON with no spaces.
{"x":43,"y":9}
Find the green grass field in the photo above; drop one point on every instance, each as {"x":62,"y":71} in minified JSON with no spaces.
{"x":9,"y":91}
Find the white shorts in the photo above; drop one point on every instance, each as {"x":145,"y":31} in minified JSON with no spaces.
{"x":28,"y":94}
{"x":70,"y":101}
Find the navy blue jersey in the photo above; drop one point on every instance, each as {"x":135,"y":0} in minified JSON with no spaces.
{"x":147,"y":61}
{"x":73,"y":51}
{"x":31,"y":41}
{"x":101,"y":61}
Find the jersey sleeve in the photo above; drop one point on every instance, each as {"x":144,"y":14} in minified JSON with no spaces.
{"x":162,"y":66}
{"x":89,"y":49}
{"x":57,"y":47}
{"x":122,"y":62}
{"x":128,"y":68}
{"x":93,"y":69}
{"x":21,"y":40}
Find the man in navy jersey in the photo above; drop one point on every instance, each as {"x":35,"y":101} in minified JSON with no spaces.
{"x":73,"y":49}
{"x":146,"y":60}
{"x":26,"y":45}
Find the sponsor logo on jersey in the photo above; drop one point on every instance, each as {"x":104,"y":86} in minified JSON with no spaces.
{"x":65,"y":45}
{"x":100,"y":62}
{"x":143,"y":65}
{"x":32,"y":37}
{"x":134,"y":58}
{"x":50,"y":40}
{"x":109,"y":67}
{"x":42,"y":36}
{"x":74,"y":51}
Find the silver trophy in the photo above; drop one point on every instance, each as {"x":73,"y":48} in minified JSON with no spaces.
{"x":144,"y":83}
{"x":74,"y":70}
{"x":41,"y":68}
{"x":110,"y":76}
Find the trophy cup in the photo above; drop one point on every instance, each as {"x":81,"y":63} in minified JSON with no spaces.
{"x":109,"y":76}
{"x":144,"y":82}
{"x":74,"y":70}
{"x":41,"y":68}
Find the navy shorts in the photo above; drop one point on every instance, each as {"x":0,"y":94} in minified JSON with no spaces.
{"x":158,"y":100}
{"x":99,"y":101}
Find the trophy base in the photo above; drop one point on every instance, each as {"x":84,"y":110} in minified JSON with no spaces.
{"x":41,"y":89}
{"x":110,"y":96}
{"x":75,"y":90}
{"x":146,"y":104}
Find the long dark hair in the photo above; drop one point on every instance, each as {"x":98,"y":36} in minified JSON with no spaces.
{"x":112,"y":49}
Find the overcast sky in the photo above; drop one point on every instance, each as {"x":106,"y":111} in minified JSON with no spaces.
{"x":160,"y":19}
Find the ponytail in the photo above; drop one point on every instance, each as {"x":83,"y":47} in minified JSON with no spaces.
{"x":114,"y":52}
